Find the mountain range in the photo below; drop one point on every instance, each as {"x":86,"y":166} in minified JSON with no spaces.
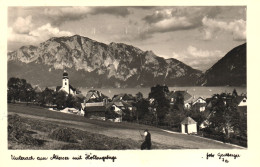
{"x":230,"y":70}
{"x":95,"y":64}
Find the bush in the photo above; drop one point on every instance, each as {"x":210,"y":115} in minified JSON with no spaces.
{"x":64,"y":134}
{"x":239,"y":140}
{"x":18,"y":132}
{"x":209,"y":133}
{"x":73,"y":146}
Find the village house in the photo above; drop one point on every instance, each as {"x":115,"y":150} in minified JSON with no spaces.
{"x":241,"y":102}
{"x":199,"y":104}
{"x":188,"y":103}
{"x":95,"y":112}
{"x":124,"y":97}
{"x":187,"y":98}
{"x":94,"y":105}
{"x":125,"y":102}
{"x":97,"y":106}
{"x":115,"y":111}
{"x":102,"y":111}
{"x":95,"y":96}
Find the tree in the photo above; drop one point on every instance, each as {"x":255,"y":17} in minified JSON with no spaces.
{"x":77,"y":102}
{"x":142,"y":106}
{"x":70,"y":101}
{"x":163,"y":104}
{"x":127,"y":115}
{"x":243,"y":129}
{"x":179,"y":102}
{"x":13,"y":89}
{"x":139,"y":96}
{"x":47,"y":97}
{"x":139,"y":105}
{"x":30,"y":94}
{"x":177,"y":117}
{"x":19,"y":89}
{"x":224,"y":117}
{"x":60,"y":99}
{"x":234,"y":93}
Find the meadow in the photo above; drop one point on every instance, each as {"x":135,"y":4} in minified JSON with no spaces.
{"x":33,"y":127}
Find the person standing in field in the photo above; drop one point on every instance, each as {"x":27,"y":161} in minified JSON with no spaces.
{"x":147,"y":142}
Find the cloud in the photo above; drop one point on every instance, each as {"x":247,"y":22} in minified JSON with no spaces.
{"x":15,"y":37}
{"x":59,"y":15}
{"x":192,"y":13}
{"x":172,"y":24}
{"x":178,"y":18}
{"x":198,"y":58}
{"x":206,"y":19}
{"x":158,"y":15}
{"x":112,"y":10}
{"x":63,"y":14}
{"x":37,"y":35}
{"x":23,"y":25}
{"x":46,"y":31}
{"x":237,"y":28}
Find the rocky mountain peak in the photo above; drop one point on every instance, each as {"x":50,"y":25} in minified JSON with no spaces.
{"x":115,"y":65}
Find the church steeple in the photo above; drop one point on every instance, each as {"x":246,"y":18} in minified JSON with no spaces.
{"x":65,"y":82}
{"x":65,"y":74}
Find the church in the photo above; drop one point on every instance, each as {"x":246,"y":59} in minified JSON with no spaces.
{"x":66,"y":87}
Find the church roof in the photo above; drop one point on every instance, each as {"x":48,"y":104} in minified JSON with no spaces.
{"x":188,"y":120}
{"x":71,"y":87}
{"x":58,"y":88}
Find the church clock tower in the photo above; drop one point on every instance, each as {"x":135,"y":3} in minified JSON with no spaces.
{"x":65,"y":82}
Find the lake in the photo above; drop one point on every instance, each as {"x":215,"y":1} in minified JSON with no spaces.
{"x":196,"y":91}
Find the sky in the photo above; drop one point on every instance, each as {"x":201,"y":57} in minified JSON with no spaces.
{"x":196,"y":35}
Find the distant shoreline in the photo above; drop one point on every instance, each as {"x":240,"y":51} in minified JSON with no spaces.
{"x":197,"y":91}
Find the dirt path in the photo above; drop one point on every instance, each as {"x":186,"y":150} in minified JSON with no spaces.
{"x":171,"y":140}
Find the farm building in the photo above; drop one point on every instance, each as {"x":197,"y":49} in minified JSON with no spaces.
{"x":95,"y":96}
{"x":112,"y":111}
{"x":199,"y":104}
{"x":188,"y":125}
{"x":95,"y":112}
{"x":173,"y":95}
{"x":241,"y":101}
{"x":124,"y":97}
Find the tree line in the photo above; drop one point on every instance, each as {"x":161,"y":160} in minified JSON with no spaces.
{"x":19,"y":90}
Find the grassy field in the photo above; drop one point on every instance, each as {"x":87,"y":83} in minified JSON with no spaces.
{"x":33,"y":127}
{"x":27,"y":133}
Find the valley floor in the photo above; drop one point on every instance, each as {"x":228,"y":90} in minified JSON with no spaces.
{"x":48,"y":130}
